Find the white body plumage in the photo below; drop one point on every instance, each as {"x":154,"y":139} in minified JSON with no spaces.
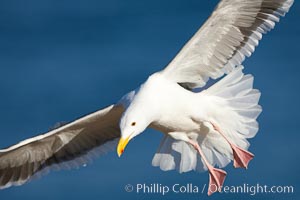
{"x":183,"y":115}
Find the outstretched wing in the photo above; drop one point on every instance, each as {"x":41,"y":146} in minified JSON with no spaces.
{"x":66,"y":146}
{"x":231,"y":33}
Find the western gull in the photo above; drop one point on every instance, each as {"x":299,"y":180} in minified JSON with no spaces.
{"x":202,"y":130}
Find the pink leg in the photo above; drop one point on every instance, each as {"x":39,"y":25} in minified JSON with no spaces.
{"x":216,"y":176}
{"x":241,"y":156}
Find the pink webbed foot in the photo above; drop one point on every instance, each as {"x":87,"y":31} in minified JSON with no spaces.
{"x":216,"y":180}
{"x":241,"y":157}
{"x":216,"y":176}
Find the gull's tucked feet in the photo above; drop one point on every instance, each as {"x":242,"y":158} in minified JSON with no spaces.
{"x":216,"y":180}
{"x":241,"y":156}
{"x":216,"y":176}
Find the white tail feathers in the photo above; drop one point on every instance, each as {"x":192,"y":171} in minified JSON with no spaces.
{"x":237,"y":109}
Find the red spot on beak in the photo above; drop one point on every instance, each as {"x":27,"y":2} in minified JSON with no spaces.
{"x":122,"y":151}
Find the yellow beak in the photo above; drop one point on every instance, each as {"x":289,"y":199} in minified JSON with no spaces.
{"x":121,"y":146}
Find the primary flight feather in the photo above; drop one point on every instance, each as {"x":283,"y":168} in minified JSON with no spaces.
{"x":202,"y":129}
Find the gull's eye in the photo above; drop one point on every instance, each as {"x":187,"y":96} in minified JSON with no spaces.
{"x":133,"y":123}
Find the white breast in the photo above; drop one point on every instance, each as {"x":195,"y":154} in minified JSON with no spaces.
{"x":176,"y":104}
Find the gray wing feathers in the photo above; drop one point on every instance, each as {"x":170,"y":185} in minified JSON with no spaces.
{"x":67,"y":146}
{"x":230,"y":34}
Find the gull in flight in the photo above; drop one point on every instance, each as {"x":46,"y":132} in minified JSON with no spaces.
{"x":203,"y":131}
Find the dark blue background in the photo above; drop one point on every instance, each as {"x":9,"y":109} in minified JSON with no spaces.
{"x":60,"y":59}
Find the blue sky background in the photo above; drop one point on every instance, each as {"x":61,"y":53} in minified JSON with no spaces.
{"x":60,"y":59}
